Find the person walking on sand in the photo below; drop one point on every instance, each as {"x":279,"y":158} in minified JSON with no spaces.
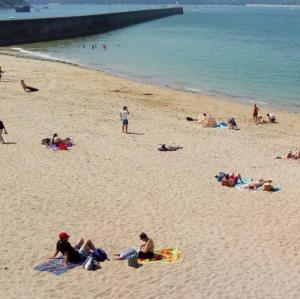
{"x":124,"y":118}
{"x":255,"y":113}
{"x":1,"y":72}
{"x":28,"y":88}
{"x":2,"y":128}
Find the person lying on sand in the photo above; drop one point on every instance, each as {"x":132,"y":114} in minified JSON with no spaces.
{"x":57,"y":140}
{"x":146,"y":250}
{"x":232,"y":124}
{"x":71,"y":254}
{"x":28,"y":88}
{"x":231,"y":180}
{"x":207,"y":120}
{"x":266,"y":184}
{"x":169,"y":148}
{"x":290,"y":156}
{"x":271,"y":117}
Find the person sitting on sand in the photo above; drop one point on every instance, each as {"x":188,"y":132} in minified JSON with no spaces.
{"x":75,"y":254}
{"x":231,"y":180}
{"x":207,"y":120}
{"x":2,"y":128}
{"x":260,"y":120}
{"x":57,"y":140}
{"x":271,"y":117}
{"x":28,"y":88}
{"x":232,"y":124}
{"x":168,"y":148}
{"x":146,"y":250}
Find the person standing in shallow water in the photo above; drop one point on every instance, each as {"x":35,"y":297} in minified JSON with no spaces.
{"x":124,"y":118}
{"x":2,"y":128}
{"x":255,"y":113}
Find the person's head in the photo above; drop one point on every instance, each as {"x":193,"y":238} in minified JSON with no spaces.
{"x":124,"y":108}
{"x":144,"y":237}
{"x":55,"y":135}
{"x":63,"y":236}
{"x":268,"y":115}
{"x":204,"y":114}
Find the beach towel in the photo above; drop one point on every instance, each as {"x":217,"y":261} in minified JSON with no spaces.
{"x":164,"y":255}
{"x":55,"y":266}
{"x":222,"y":125}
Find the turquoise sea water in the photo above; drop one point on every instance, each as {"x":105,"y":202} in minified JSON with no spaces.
{"x":248,"y":53}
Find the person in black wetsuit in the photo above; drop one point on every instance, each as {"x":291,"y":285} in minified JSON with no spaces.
{"x":75,"y":254}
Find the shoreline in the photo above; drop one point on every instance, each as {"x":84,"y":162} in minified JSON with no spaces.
{"x":23,"y":53}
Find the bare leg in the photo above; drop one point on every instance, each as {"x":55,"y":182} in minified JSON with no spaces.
{"x":123,"y":126}
{"x":89,"y":246}
{"x":126,"y":129}
{"x":79,"y":244}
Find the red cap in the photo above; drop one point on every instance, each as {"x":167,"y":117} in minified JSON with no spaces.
{"x":63,"y":235}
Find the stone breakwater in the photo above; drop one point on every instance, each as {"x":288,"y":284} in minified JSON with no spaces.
{"x":14,"y":32}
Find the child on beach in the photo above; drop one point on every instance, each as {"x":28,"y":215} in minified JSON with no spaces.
{"x":271,"y":117}
{"x":124,"y":118}
{"x":2,"y":128}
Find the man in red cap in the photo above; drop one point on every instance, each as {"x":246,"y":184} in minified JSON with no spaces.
{"x":75,"y":254}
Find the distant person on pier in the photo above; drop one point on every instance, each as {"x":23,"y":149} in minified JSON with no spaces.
{"x":1,"y":72}
{"x":104,"y":46}
{"x":28,"y":88}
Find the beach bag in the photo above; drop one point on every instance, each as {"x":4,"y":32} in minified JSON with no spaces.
{"x":99,"y":255}
{"x":90,"y":264}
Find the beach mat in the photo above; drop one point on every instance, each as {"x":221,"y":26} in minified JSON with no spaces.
{"x":169,"y":255}
{"x":56,"y":266}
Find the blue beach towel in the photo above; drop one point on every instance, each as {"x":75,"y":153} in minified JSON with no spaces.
{"x":55,"y":266}
{"x":222,"y":125}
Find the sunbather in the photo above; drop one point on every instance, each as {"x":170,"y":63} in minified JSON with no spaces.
{"x":207,"y":120}
{"x":260,"y":120}
{"x":146,"y":250}
{"x":168,"y":148}
{"x":231,"y":180}
{"x":28,"y":88}
{"x":57,"y":140}
{"x":257,"y":184}
{"x":75,"y":254}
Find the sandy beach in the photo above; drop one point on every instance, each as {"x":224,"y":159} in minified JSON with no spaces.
{"x":110,"y":187}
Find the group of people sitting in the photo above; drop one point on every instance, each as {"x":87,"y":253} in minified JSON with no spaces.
{"x":58,"y":142}
{"x":83,"y":249}
{"x":231,"y":180}
{"x":292,"y":156}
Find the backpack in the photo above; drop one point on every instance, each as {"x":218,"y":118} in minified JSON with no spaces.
{"x":99,"y":255}
{"x":90,"y":264}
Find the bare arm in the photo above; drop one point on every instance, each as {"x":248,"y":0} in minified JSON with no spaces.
{"x":55,"y":254}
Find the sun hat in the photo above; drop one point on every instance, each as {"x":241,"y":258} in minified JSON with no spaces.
{"x":63,"y":235}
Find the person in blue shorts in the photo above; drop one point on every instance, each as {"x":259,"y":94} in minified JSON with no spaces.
{"x":124,"y":118}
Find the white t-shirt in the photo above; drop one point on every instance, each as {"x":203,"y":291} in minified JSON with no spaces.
{"x":272,"y":116}
{"x":124,"y":115}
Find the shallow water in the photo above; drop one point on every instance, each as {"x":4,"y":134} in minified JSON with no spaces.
{"x":247,"y":53}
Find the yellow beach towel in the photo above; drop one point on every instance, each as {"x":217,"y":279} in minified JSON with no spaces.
{"x":164,"y":255}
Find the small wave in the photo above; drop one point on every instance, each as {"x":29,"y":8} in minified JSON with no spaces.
{"x":193,"y":90}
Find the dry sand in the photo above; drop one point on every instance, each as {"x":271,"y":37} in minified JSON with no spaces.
{"x":112,"y":186}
